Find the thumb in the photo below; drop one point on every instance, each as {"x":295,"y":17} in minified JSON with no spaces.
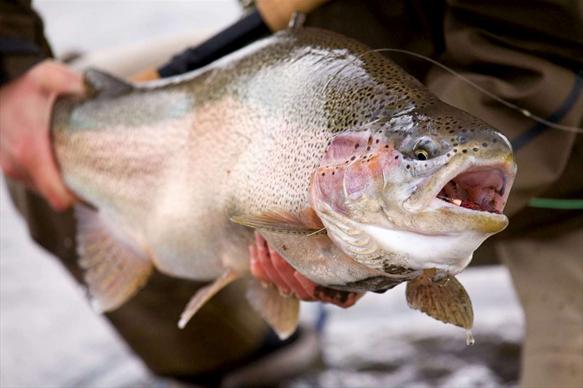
{"x":54,"y":77}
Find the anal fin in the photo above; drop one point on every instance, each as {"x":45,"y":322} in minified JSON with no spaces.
{"x":445,"y":300}
{"x":114,"y":270}
{"x":280,"y":312}
{"x":204,"y":294}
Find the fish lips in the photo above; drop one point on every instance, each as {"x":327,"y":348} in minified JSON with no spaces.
{"x":475,"y":191}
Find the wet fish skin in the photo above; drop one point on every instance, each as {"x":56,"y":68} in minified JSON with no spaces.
{"x":306,"y":124}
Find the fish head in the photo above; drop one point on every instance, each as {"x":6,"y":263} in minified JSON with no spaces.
{"x":416,"y":190}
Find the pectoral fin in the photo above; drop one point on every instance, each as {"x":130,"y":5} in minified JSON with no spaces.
{"x":445,"y":300}
{"x":114,"y":270}
{"x":205,"y":294}
{"x":280,"y":312}
{"x":305,"y":223}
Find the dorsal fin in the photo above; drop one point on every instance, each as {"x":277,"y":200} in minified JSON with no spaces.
{"x":106,"y":85}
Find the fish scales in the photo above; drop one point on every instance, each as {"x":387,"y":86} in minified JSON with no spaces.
{"x":306,"y":128}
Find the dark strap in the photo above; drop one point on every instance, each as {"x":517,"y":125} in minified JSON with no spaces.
{"x":246,"y":30}
{"x":18,"y":46}
{"x":555,"y":117}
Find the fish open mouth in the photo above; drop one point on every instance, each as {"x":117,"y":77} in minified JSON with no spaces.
{"x":479,"y":189}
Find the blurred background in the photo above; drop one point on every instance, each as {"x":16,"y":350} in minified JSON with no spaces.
{"x":49,"y":336}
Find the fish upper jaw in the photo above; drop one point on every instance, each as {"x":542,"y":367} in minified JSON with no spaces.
{"x":468,"y":187}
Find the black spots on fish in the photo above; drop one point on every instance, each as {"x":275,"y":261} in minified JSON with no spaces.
{"x":465,"y":151}
{"x":395,"y":269}
{"x":455,"y":150}
{"x":408,"y":166}
{"x":396,"y":157}
{"x":378,"y":284}
{"x":284,"y":247}
{"x":484,"y":144}
{"x":353,"y":157}
{"x":475,"y":149}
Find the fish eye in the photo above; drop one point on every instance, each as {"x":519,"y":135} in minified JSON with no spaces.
{"x":425,"y":148}
{"x":421,"y":154}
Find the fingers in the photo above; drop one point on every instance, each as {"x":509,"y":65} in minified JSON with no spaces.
{"x":286,"y":273}
{"x":48,"y":181}
{"x":54,"y":77}
{"x":256,"y":267}
{"x":265,"y":261}
{"x":269,"y":267}
{"x":25,"y":150}
{"x":339,"y":298}
{"x":13,"y":171}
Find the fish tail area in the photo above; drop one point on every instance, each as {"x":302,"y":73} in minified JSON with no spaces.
{"x":114,"y":270}
{"x":445,"y":300}
{"x":280,"y":312}
{"x":204,"y":294}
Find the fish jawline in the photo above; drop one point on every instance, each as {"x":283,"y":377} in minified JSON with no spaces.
{"x":425,"y":197}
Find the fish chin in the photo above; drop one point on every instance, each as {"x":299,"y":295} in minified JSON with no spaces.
{"x":447,"y":252}
{"x":385,"y":247}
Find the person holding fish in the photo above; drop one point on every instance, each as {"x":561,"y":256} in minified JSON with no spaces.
{"x":385,"y":184}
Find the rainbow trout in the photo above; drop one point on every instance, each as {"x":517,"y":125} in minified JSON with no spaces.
{"x":350,"y":169}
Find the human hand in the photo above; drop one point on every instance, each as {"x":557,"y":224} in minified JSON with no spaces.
{"x":25,"y":111}
{"x":269,"y":267}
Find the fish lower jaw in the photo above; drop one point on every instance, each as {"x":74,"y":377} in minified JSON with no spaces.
{"x":479,"y":188}
{"x":449,"y":269}
{"x":455,"y":206}
{"x":449,"y":253}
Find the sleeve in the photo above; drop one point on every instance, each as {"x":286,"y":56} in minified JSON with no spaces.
{"x":22,"y":40}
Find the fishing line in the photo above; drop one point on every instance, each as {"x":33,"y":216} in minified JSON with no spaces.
{"x":522,"y":111}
